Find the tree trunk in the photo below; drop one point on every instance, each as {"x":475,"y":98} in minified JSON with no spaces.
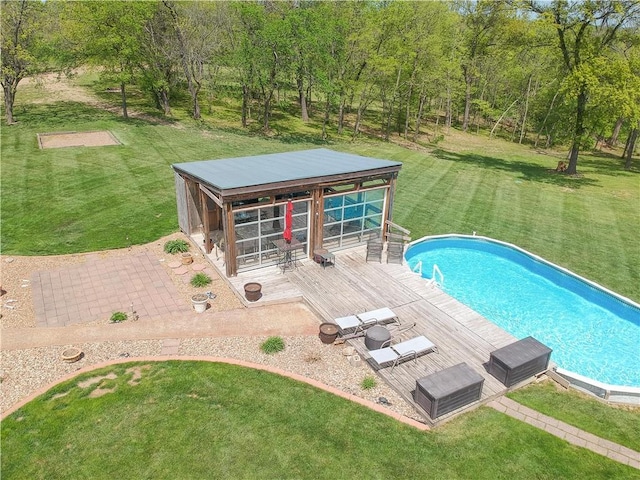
{"x":526,"y":110}
{"x":302,"y":99}
{"x":448,"y":112}
{"x":123,"y":95}
{"x":164,"y":100}
{"x":9,"y":97}
{"x":544,"y":122}
{"x":245,"y":104}
{"x":612,"y":141}
{"x":343,"y":99}
{"x":325,"y":121}
{"x":419,"y":117}
{"x":467,"y":98}
{"x":631,"y":145}
{"x":365,"y":100}
{"x":387,"y":130}
{"x":184,"y":54}
{"x":578,"y":132}
{"x":266,"y":111}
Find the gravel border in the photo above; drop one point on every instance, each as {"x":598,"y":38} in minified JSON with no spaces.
{"x":26,"y":371}
{"x":23,"y":372}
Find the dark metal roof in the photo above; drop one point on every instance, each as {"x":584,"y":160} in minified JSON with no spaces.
{"x":233,"y":173}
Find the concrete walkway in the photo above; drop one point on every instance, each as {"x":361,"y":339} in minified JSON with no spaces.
{"x":284,"y":319}
{"x":567,"y":432}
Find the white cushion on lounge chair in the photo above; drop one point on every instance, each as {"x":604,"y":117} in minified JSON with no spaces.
{"x":417,"y":345}
{"x":346,"y":323}
{"x":384,"y":355}
{"x":382,"y":315}
{"x":394,"y":354}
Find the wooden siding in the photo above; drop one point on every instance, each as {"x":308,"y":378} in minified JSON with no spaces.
{"x":181,"y":200}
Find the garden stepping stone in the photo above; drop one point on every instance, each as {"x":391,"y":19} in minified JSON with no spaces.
{"x":198,"y":267}
{"x":174,"y":264}
{"x":181,"y":271}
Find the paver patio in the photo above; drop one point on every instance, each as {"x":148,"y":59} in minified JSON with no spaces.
{"x":95,"y":289}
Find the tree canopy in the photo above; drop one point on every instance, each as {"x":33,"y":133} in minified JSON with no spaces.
{"x":548,"y":72}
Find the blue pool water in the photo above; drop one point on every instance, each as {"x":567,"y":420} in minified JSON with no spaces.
{"x":592,"y":332}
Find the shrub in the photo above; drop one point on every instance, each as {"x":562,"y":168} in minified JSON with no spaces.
{"x":272,"y":345}
{"x":368,"y":383}
{"x":118,"y":317}
{"x":200,"y":280}
{"x":176,"y":246}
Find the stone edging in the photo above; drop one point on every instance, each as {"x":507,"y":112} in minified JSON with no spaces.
{"x":241,"y":363}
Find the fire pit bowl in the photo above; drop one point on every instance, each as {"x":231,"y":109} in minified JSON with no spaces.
{"x":71,"y":355}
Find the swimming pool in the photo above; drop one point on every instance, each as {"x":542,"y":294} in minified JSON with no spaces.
{"x":593,"y":332}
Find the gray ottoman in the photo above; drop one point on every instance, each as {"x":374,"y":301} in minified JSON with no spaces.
{"x":376,"y":337}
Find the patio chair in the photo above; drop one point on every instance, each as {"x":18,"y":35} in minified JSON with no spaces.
{"x":395,"y":252}
{"x":374,"y":250}
{"x":395,"y":354}
{"x":355,"y":323}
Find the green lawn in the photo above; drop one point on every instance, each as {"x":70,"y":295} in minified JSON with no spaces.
{"x":617,"y":424}
{"x":204,"y":420}
{"x":71,"y":200}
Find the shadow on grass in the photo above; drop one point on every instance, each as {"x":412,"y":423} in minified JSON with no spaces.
{"x":63,"y":116}
{"x":527,"y":170}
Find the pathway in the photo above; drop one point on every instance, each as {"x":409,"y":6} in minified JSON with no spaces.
{"x":567,"y":432}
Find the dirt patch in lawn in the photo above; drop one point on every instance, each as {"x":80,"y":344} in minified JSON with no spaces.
{"x":76,"y":139}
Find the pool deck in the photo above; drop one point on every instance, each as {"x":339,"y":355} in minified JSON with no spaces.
{"x":355,"y":286}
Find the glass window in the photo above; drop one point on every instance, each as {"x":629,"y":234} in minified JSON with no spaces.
{"x":257,"y":229}
{"x":372,"y":195}
{"x":351,"y":218}
{"x":249,"y":230}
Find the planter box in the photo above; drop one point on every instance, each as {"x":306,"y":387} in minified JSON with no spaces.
{"x":519,"y":361}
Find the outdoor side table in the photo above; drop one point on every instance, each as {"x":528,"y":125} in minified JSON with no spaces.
{"x":449,"y":389}
{"x":519,"y":360}
{"x":324,"y":257}
{"x":377,"y":337}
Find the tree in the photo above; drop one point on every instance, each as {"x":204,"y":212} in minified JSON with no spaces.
{"x":585,"y":30}
{"x":482,"y":20}
{"x":21,"y":46}
{"x":109,"y":34}
{"x":198,"y":31}
{"x":160,"y":71}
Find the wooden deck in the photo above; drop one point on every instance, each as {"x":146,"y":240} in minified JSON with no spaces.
{"x":355,"y":286}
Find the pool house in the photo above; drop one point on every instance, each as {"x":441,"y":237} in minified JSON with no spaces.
{"x":238,"y":205}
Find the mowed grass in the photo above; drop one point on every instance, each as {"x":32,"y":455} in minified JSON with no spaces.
{"x":618,"y":424}
{"x":80,"y":199}
{"x":83,"y":199}
{"x":588,"y":224}
{"x":206,"y":420}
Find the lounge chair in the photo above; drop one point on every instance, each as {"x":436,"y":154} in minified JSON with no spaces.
{"x":354,"y":323}
{"x":395,"y":354}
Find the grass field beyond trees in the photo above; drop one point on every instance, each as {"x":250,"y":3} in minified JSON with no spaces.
{"x":80,"y":199}
{"x":207,"y":420}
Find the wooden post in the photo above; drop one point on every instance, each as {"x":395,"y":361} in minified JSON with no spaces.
{"x":229,"y":240}
{"x":316,"y":221}
{"x":205,"y":222}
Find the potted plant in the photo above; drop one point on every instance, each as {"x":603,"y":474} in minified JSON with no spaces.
{"x":199,"y":302}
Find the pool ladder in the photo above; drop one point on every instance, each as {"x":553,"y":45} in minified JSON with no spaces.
{"x":434,"y":274}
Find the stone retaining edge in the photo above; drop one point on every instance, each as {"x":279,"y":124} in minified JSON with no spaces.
{"x":348,"y":396}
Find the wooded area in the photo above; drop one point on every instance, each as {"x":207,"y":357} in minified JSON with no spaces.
{"x":547,"y":73}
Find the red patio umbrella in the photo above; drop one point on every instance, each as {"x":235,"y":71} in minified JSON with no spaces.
{"x":288,"y":222}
